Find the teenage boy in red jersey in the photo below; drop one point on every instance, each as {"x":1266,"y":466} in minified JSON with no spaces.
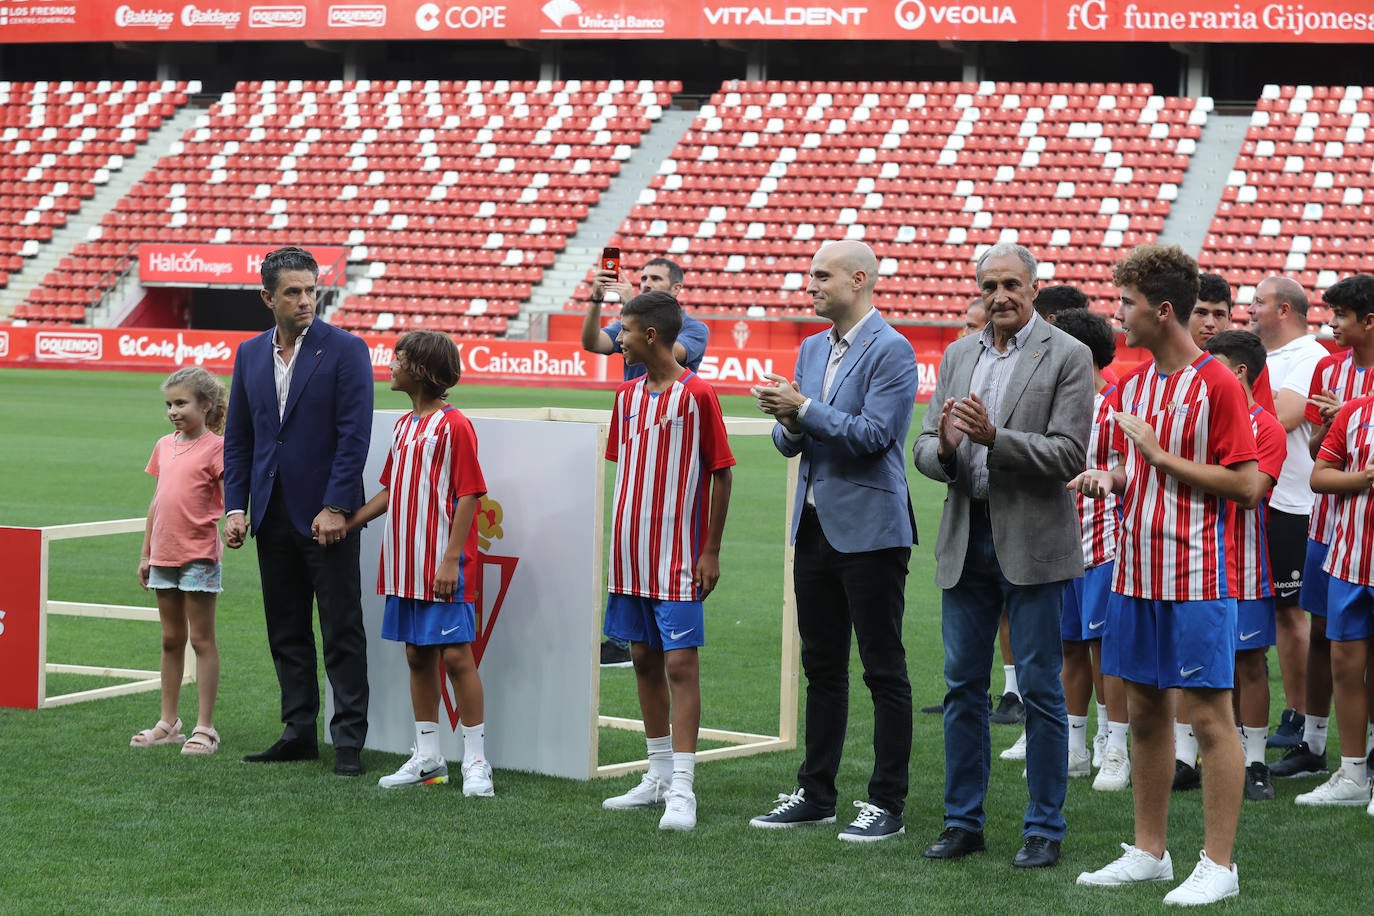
{"x":672,"y":492}
{"x":1185,"y":432}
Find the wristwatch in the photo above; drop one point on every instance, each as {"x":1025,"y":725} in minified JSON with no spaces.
{"x":337,"y":510}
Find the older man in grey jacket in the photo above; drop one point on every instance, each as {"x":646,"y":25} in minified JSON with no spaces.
{"x":1006,"y":430}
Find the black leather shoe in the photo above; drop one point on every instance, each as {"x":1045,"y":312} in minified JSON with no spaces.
{"x":955,"y":843}
{"x":347,"y":762}
{"x":284,"y":750}
{"x":1037,"y":852}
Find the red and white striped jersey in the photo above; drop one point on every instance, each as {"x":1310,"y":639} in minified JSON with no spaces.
{"x":1254,"y":577}
{"x":1099,"y":516}
{"x":1349,"y":444}
{"x":665,"y":446}
{"x":1338,"y":374}
{"x":432,"y":464}
{"x":1175,"y":542}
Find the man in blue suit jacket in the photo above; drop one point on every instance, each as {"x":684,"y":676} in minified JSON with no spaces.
{"x":296,"y":439}
{"x":847,"y":414}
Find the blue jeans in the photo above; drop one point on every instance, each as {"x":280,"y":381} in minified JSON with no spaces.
{"x":970,"y":612}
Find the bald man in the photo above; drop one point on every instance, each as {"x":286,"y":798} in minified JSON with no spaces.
{"x":1278,"y":314}
{"x":847,"y":414}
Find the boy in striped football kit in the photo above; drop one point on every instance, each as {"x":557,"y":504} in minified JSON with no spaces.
{"x":1339,"y":378}
{"x":1256,"y":623}
{"x":1185,"y":431}
{"x":672,"y":491}
{"x":1344,"y":471}
{"x":431,"y":483}
{"x":1085,"y":598}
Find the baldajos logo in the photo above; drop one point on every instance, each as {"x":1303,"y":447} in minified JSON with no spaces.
{"x":128,"y":17}
{"x":912,"y":14}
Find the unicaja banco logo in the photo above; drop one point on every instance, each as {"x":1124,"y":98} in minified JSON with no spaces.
{"x":559,"y":10}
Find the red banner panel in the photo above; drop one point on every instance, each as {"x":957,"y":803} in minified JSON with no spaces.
{"x":865,"y":20}
{"x":224,"y":265}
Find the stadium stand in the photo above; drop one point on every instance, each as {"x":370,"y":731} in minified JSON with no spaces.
{"x":1300,"y":199}
{"x":60,"y":141}
{"x":451,"y":196}
{"x":926,"y":172}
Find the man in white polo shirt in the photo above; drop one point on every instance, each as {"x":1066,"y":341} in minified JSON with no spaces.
{"x":1278,"y":314}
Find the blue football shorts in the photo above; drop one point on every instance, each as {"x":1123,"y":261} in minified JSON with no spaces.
{"x":1162,"y":644}
{"x":662,"y":624}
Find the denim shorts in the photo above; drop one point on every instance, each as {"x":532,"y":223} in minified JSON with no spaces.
{"x":196,"y":576}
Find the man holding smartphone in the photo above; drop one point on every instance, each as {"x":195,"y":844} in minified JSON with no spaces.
{"x":659,"y":274}
{"x":665,"y":276}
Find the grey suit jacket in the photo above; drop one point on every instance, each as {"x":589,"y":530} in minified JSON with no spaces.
{"x":1041,"y":444}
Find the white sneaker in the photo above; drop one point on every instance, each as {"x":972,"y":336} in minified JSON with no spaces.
{"x":679,"y":810}
{"x":1208,"y":883}
{"x":417,"y":771}
{"x":1080,"y":765}
{"x":648,"y":794}
{"x":1340,"y":789}
{"x":1115,"y":774}
{"x":1099,"y":750}
{"x":477,"y":779}
{"x":1135,"y":866}
{"x":1017,"y":751}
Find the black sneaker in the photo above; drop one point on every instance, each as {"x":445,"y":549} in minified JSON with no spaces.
{"x":872,"y":825}
{"x":795,"y":811}
{"x":1289,"y":732}
{"x":1010,"y":711}
{"x":1257,"y":784}
{"x":614,"y":655}
{"x":1299,"y":761}
{"x":935,"y":710}
{"x":1186,"y":777}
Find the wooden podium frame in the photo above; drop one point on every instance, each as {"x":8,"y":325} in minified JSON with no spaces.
{"x":738,"y":744}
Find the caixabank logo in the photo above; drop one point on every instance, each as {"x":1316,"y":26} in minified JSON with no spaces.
{"x":4,"y":344}
{"x":495,"y":574}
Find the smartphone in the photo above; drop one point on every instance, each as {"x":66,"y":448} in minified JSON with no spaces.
{"x":610,"y":260}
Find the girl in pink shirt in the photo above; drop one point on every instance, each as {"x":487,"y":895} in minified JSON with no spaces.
{"x":181,"y":550}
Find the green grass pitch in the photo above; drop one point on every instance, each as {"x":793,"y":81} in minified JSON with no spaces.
{"x":89,"y":825}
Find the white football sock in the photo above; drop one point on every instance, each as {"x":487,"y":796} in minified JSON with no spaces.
{"x":1357,"y":769}
{"x":474,"y":742}
{"x":1010,"y":672}
{"x":1116,"y":735}
{"x":1078,"y":734}
{"x":1102,"y":719}
{"x":427,"y":740}
{"x":660,"y":757}
{"x":684,"y":770}
{"x":1314,"y":733}
{"x":1185,"y":744}
{"x":1253,"y":739}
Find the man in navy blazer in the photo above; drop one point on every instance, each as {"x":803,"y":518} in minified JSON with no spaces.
{"x":296,"y":439}
{"x":847,"y":414}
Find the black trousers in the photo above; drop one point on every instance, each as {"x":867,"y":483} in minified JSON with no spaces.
{"x":839,"y":594}
{"x":297,"y":572}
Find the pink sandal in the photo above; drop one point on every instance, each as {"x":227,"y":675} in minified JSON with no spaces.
{"x":204,"y":741}
{"x":161,"y":733}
